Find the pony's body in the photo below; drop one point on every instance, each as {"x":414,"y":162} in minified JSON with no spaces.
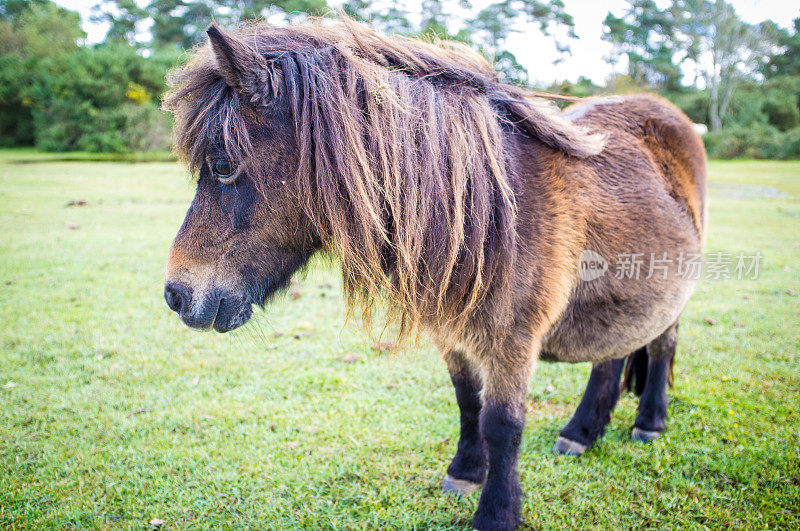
{"x":636,"y":188}
{"x":567,"y":205}
{"x":464,"y":202}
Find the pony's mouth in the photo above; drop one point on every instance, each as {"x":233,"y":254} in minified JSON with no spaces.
{"x":231,"y":314}
{"x":220,"y":311}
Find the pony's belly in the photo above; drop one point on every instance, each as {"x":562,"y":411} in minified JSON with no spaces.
{"x":614,"y":324}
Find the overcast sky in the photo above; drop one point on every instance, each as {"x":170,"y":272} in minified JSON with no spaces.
{"x":536,"y":51}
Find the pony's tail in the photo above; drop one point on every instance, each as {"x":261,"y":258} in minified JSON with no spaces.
{"x":635,"y":375}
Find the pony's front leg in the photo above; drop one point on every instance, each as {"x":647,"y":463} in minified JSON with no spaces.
{"x":467,"y":470}
{"x":505,"y":380}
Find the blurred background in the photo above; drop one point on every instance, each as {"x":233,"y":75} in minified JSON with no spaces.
{"x":87,"y":76}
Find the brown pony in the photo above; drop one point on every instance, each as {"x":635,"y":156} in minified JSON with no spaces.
{"x":481,"y":215}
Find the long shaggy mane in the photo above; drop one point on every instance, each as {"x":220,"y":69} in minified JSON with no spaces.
{"x":404,"y":164}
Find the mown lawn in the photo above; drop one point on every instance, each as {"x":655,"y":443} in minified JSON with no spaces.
{"x":112,"y":414}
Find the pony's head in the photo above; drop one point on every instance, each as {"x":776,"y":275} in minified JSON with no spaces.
{"x":392,"y":153}
{"x":245,"y":233}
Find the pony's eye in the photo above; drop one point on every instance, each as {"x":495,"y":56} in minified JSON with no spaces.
{"x":223,"y":168}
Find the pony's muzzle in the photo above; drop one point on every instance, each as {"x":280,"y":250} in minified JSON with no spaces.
{"x":219,"y":310}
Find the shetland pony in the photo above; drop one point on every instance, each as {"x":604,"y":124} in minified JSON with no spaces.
{"x":465,"y":204}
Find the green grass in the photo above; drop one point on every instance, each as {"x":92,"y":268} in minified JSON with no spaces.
{"x":120,"y":415}
{"x":26,"y":154}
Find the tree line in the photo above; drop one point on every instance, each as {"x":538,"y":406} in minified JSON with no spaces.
{"x":59,"y":93}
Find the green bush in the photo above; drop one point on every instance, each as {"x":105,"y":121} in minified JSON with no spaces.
{"x":29,"y":32}
{"x":147,"y":128}
{"x":791,"y":144}
{"x":16,"y":121}
{"x":693,"y":103}
{"x":782,"y":102}
{"x":759,"y":141}
{"x":61,"y":96}
{"x":100,"y":99}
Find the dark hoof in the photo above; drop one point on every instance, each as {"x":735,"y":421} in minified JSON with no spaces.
{"x":565,"y":446}
{"x":645,"y":436}
{"x":459,"y":487}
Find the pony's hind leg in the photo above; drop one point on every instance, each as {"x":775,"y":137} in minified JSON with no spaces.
{"x":467,"y":470}
{"x":594,"y":412}
{"x":651,"y":420}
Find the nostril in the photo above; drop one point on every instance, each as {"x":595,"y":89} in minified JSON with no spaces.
{"x":176,"y":296}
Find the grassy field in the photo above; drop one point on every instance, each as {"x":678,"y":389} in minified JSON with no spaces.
{"x":112,"y":414}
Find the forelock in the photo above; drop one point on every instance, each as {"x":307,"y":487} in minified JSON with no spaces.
{"x":208,"y":113}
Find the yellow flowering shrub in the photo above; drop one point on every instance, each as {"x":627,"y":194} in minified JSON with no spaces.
{"x":137,"y":93}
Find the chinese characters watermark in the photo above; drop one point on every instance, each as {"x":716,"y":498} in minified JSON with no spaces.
{"x":685,"y":266}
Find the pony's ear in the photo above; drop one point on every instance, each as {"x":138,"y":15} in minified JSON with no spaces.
{"x":242,"y":67}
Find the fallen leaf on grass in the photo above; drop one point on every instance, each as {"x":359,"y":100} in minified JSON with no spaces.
{"x":73,"y":226}
{"x":444,"y":442}
{"x":790,"y":291}
{"x":140,"y":410}
{"x":232,"y":501}
{"x":10,"y":385}
{"x":383,"y":346}
{"x":156,"y":522}
{"x":295,"y":293}
{"x":710,"y":321}
{"x":350,"y":358}
{"x":77,"y":203}
{"x":739,"y":324}
{"x":549,"y":389}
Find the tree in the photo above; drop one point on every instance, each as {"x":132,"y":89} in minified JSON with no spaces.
{"x":13,"y":9}
{"x":785,"y":58}
{"x":391,"y":17}
{"x":724,"y":50}
{"x":706,"y":36}
{"x":488,"y":29}
{"x":38,"y":29}
{"x":123,"y":16}
{"x":30,"y":32}
{"x":494,"y":24}
{"x":646,"y":35}
{"x":177,"y":23}
{"x":182,"y":23}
